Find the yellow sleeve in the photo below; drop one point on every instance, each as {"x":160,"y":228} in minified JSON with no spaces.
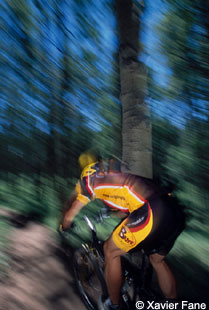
{"x":81,"y":197}
{"x":78,"y":188}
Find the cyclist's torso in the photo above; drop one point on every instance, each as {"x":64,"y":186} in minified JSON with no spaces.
{"x":118,"y":190}
{"x":151,"y":220}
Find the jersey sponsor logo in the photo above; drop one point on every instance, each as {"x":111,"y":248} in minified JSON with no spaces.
{"x":136,"y":223}
{"x":144,"y":223}
{"x":138,"y":217}
{"x":114,"y":196}
{"x":128,"y":239}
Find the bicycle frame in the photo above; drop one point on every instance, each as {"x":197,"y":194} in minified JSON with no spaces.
{"x":139,"y":277}
{"x":95,"y":243}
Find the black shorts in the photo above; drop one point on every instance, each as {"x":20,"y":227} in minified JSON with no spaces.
{"x":168,"y":223}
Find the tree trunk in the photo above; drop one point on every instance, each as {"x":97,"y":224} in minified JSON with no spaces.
{"x":137,"y":131}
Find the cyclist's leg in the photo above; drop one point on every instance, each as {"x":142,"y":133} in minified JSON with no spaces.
{"x":167,"y":225}
{"x":125,"y":237}
{"x":165,"y":276}
{"x":113,"y":270}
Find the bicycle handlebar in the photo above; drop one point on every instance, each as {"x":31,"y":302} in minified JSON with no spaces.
{"x":89,"y":223}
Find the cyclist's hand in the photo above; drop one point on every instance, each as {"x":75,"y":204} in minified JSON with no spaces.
{"x":63,"y":235}
{"x":60,"y":228}
{"x":63,"y":232}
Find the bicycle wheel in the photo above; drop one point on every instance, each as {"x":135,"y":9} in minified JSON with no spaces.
{"x":147,"y":292}
{"x":133,"y":293}
{"x":139,"y":284}
{"x":89,"y":277}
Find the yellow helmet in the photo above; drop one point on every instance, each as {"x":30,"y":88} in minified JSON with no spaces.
{"x":86,"y":159}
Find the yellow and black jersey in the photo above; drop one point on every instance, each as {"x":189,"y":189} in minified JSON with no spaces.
{"x":118,"y":190}
{"x":148,"y":220}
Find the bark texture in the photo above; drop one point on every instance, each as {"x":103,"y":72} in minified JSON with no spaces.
{"x":137,"y":131}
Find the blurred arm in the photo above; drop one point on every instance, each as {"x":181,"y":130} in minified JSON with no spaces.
{"x":68,"y":204}
{"x":73,"y":205}
{"x":71,"y":212}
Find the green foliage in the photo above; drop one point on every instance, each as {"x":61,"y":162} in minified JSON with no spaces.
{"x":180,"y":161}
{"x":165,"y":136}
{"x":39,"y":202}
{"x":180,"y":144}
{"x":189,"y":259}
{"x":51,"y":93}
{"x":187,"y":165}
{"x":183,"y":33}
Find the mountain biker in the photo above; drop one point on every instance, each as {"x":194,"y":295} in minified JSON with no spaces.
{"x":151,"y":221}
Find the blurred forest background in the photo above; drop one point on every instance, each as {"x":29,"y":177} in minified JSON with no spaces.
{"x":60,"y":96}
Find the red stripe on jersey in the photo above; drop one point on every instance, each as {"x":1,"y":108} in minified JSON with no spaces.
{"x":137,"y":194}
{"x":87,"y":186}
{"x":122,"y":210}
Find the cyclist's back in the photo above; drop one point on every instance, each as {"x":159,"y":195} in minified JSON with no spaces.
{"x":123,"y":191}
{"x":129,"y":193}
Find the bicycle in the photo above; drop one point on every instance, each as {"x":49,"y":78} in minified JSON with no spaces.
{"x":88,"y":270}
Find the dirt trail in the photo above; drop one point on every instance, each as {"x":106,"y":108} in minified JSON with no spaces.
{"x":37,"y":278}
